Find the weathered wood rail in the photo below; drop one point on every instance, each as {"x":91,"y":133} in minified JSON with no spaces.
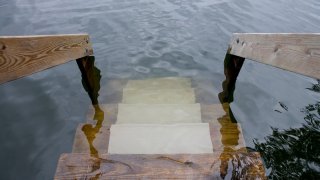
{"x":23,"y":55}
{"x":299,"y":53}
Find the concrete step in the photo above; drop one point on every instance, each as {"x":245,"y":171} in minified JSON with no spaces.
{"x":160,"y":83}
{"x":224,"y":133}
{"x":193,"y":138}
{"x":111,"y":91}
{"x":158,"y":96}
{"x":209,"y":112}
{"x":158,"y":113}
{"x":95,"y":139}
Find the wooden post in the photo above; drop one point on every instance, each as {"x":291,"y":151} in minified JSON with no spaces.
{"x":24,"y":55}
{"x":90,"y":77}
{"x":91,"y":83}
{"x":232,"y":67}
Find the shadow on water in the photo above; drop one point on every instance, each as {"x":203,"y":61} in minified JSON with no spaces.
{"x":294,"y":153}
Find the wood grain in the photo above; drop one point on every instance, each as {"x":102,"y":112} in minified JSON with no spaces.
{"x":200,"y":166}
{"x":23,"y":55}
{"x":299,"y":53}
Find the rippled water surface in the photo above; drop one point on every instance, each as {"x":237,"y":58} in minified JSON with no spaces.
{"x":132,"y":39}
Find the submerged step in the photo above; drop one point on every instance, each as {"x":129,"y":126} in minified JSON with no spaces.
{"x":158,"y":96}
{"x":158,"y":113}
{"x":227,"y":138}
{"x":218,"y":165}
{"x":105,"y":113}
{"x":91,"y":139}
{"x":109,"y":112}
{"x":160,"y":139}
{"x":160,"y":83}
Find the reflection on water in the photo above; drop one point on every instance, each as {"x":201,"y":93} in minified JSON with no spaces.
{"x":294,"y":153}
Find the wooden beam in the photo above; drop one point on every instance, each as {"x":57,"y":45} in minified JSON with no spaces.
{"x":180,"y":166}
{"x":299,"y":53}
{"x":23,"y":55}
{"x":232,"y":67}
{"x":91,"y":76}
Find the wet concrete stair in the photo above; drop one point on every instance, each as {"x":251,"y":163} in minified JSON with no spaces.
{"x":159,"y":131}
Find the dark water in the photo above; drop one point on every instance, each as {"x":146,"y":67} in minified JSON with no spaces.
{"x":140,"y":38}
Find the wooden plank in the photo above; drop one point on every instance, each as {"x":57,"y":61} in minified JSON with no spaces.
{"x":299,"y":53}
{"x":23,"y":55}
{"x":205,"y":166}
{"x":91,"y":77}
{"x":232,"y":67}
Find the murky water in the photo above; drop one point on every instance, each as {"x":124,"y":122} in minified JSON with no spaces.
{"x":135,"y":39}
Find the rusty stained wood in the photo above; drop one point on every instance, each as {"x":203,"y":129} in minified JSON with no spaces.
{"x":299,"y":53}
{"x":181,"y":166}
{"x":23,"y":55}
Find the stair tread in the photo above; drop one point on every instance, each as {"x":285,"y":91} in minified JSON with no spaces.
{"x":209,"y":113}
{"x":227,"y":141}
{"x":159,"y":83}
{"x":112,"y":90}
{"x":192,"y":138}
{"x":183,"y":166}
{"x":158,"y":113}
{"x":158,"y":96}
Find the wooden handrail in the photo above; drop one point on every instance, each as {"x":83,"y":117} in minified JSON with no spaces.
{"x":299,"y":53}
{"x":24,"y":55}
